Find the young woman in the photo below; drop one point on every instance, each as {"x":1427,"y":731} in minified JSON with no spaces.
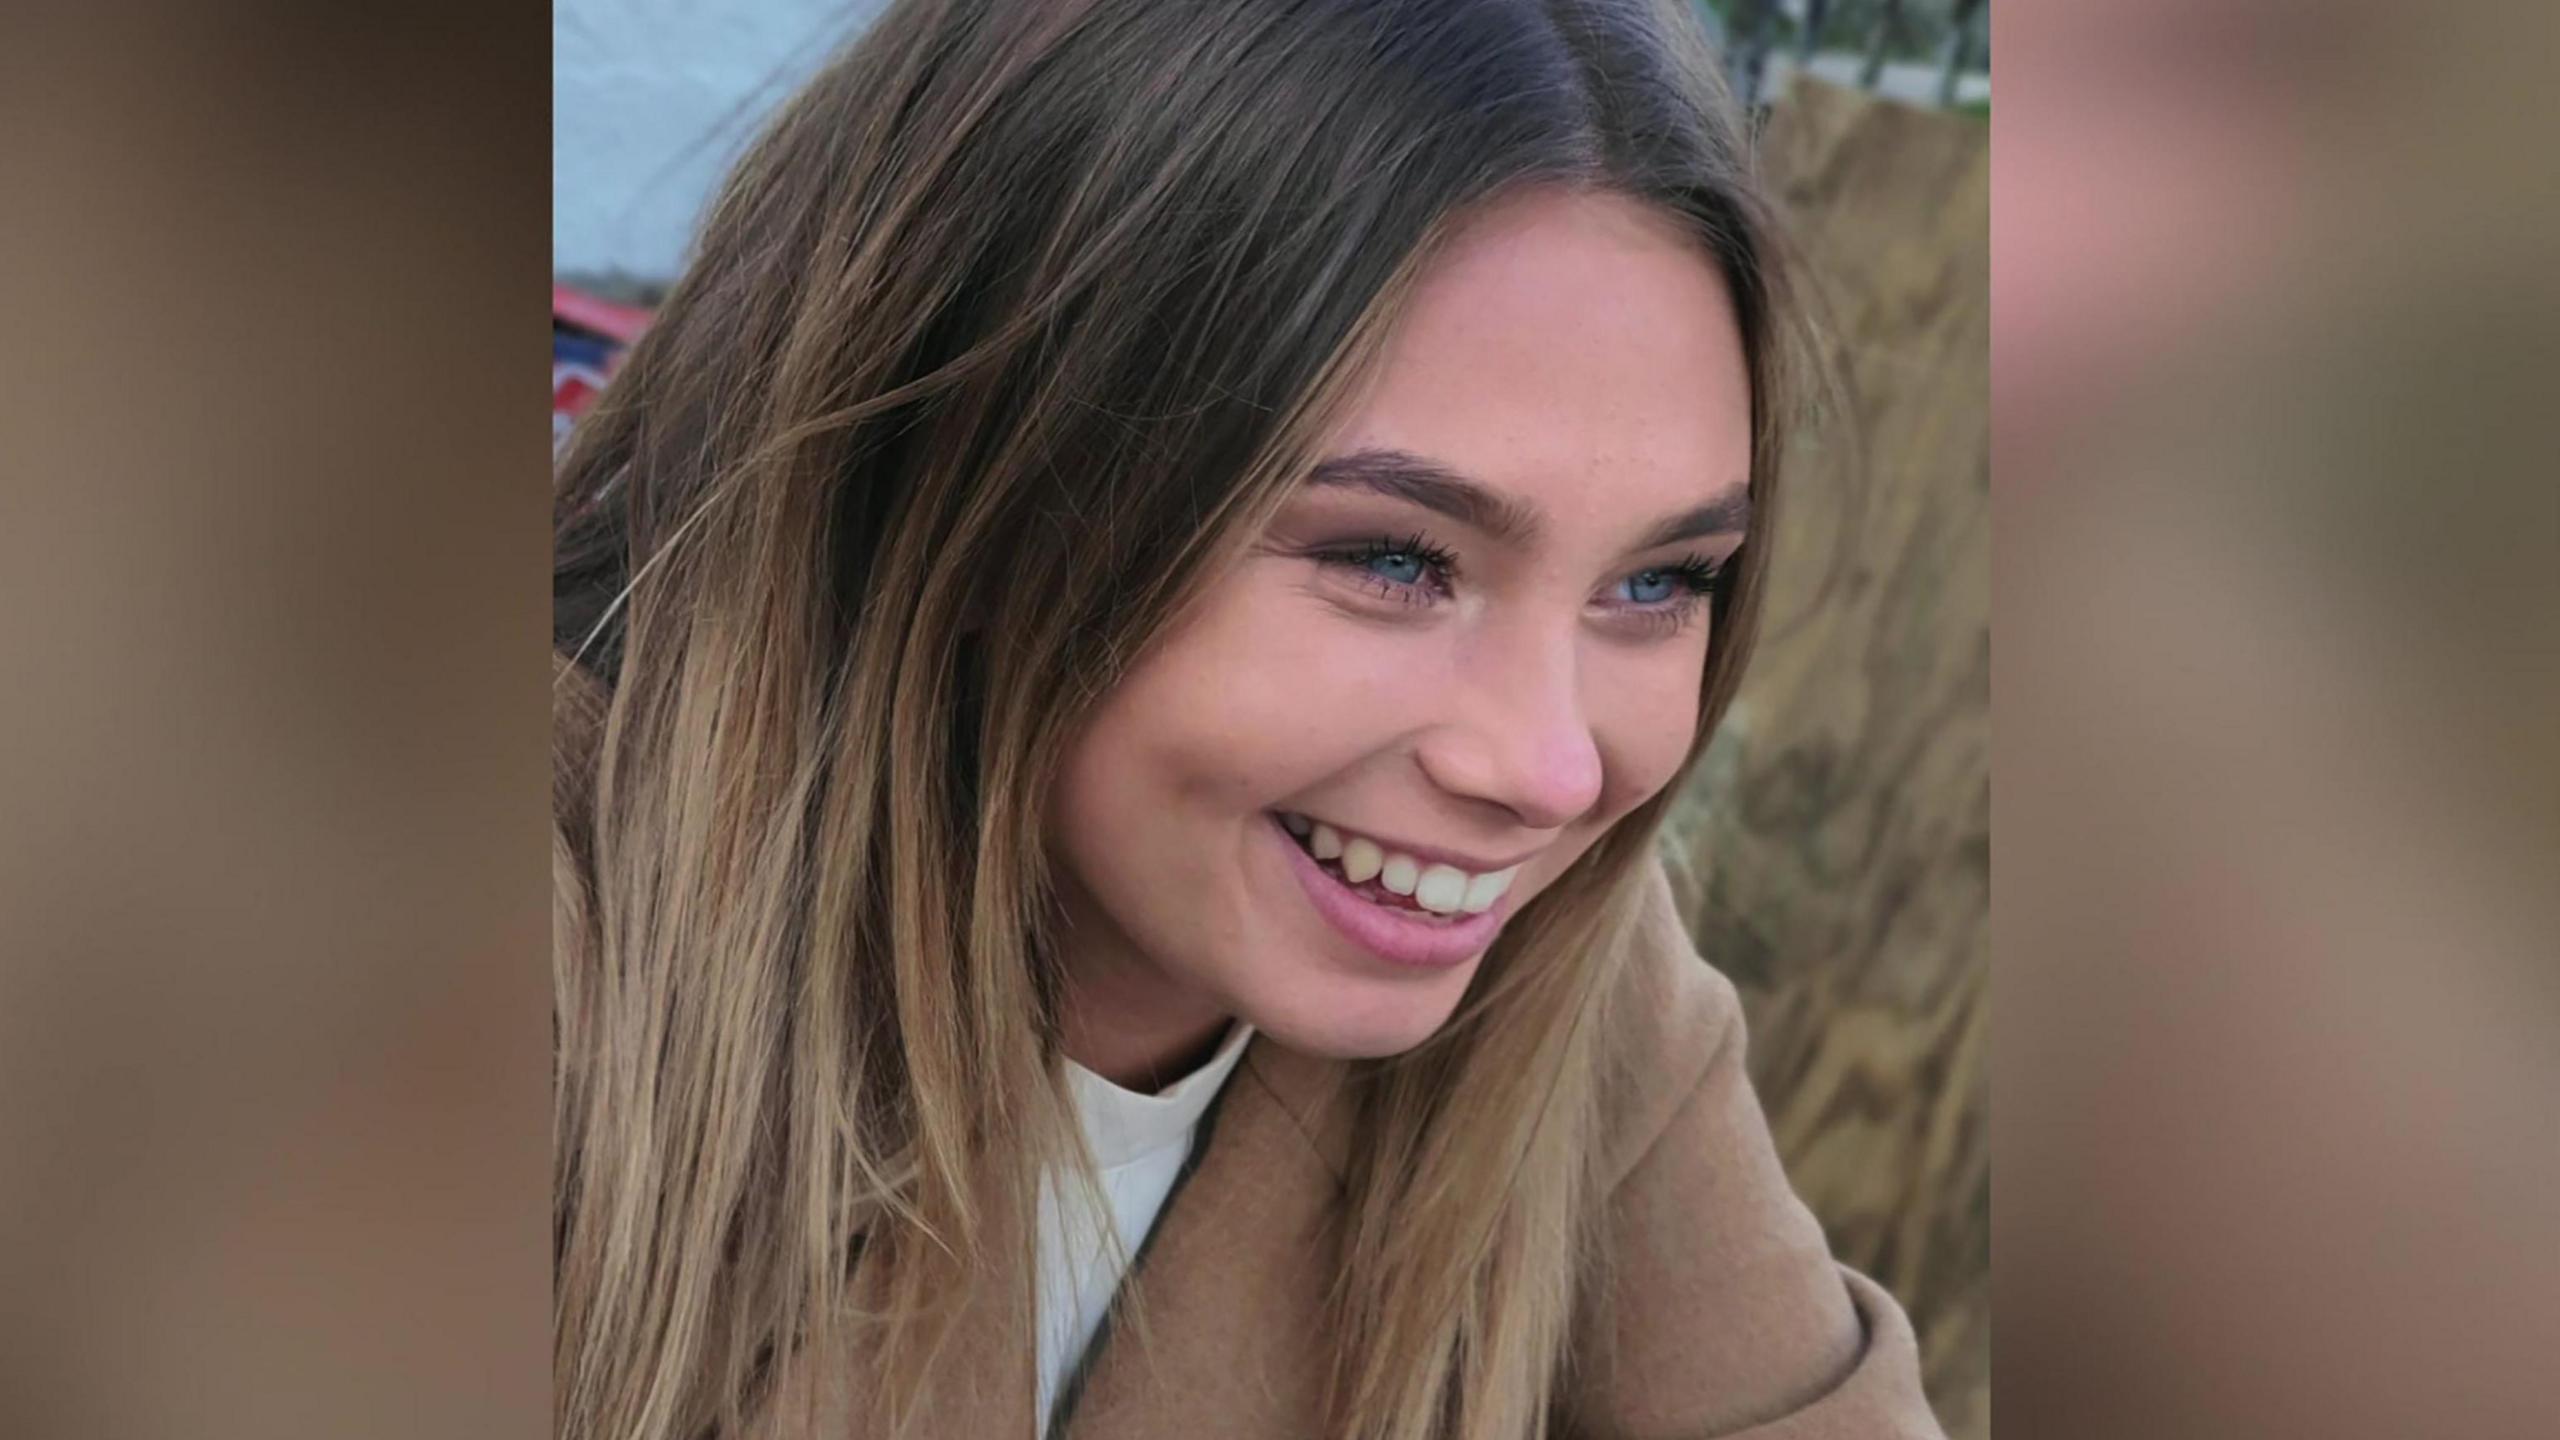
{"x":1124,"y":642}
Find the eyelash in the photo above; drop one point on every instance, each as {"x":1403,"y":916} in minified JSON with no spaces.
{"x":1701,"y":580}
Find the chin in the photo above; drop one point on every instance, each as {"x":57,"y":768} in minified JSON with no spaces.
{"x":1336,"y":1022}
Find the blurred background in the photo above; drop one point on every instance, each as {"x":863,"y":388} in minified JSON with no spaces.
{"x":2276,"y":330}
{"x":652,"y":101}
{"x":1833,"y":851}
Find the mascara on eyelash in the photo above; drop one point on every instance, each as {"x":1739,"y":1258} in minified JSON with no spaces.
{"x":1701,"y":575}
{"x":1699,"y":581}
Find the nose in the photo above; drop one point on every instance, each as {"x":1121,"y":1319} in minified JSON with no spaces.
{"x":1517,"y":733}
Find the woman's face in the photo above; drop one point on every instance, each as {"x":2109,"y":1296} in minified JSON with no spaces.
{"x":1470,"y":642}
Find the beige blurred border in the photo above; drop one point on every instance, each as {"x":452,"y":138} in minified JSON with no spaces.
{"x":2276,"y":816}
{"x":274,"y":996}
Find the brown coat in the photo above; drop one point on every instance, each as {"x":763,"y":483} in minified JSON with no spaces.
{"x":1730,"y":1317}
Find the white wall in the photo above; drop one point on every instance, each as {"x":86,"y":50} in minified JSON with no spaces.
{"x":652,"y":100}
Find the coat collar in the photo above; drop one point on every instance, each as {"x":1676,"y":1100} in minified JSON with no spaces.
{"x":1311,"y":1094}
{"x":1248,"y":1235}
{"x":1245,"y":1236}
{"x":1123,"y":1125}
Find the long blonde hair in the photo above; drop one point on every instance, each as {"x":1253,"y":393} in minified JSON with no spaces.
{"x":1013,"y":325}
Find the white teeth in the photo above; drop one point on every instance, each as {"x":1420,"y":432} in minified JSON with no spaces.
{"x":1399,"y":874}
{"x":1440,"y":889}
{"x":1361,"y":860}
{"x":1483,"y":890}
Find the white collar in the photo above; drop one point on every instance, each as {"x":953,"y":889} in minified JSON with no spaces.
{"x":1123,"y":1125}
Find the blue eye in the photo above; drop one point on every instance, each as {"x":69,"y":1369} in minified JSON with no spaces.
{"x":1411,"y":571}
{"x":1694,"y":578}
{"x":1414,"y":571}
{"x":1664,"y":599}
{"x":1652,"y":587}
{"x":1401,"y":566}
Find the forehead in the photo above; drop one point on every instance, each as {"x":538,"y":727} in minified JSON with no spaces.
{"x":1577,"y":349}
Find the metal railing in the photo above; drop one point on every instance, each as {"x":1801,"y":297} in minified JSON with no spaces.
{"x":1855,"y":43}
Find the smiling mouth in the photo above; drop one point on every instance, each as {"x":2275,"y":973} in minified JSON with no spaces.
{"x":1373,"y":890}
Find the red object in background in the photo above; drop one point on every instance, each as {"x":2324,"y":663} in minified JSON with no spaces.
{"x":579,"y":310}
{"x":588,"y":338}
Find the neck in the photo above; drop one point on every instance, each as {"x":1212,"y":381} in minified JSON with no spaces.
{"x":1139,"y":1047}
{"x":1130,"y":1023}
{"x":1127,"y":1018}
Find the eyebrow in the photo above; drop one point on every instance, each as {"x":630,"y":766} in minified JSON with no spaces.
{"x":1421,"y":480}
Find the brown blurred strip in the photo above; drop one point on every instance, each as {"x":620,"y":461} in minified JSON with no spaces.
{"x":2277,"y":691}
{"x":274,"y":999}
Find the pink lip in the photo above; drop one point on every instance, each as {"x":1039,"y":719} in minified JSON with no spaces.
{"x":1383,"y":932}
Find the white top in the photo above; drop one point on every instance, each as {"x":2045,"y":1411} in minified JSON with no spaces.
{"x":1139,"y":1143}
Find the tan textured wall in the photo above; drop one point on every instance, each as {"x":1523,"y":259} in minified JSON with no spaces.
{"x":1835,"y":850}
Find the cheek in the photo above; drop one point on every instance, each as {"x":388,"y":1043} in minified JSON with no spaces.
{"x":1644,"y":717}
{"x":1143,"y":763}
{"x":1258,"y":694}
{"x":1221,"y":717}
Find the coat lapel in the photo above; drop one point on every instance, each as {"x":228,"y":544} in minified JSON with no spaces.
{"x":1228,"y":1291}
{"x":1247,"y":1240}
